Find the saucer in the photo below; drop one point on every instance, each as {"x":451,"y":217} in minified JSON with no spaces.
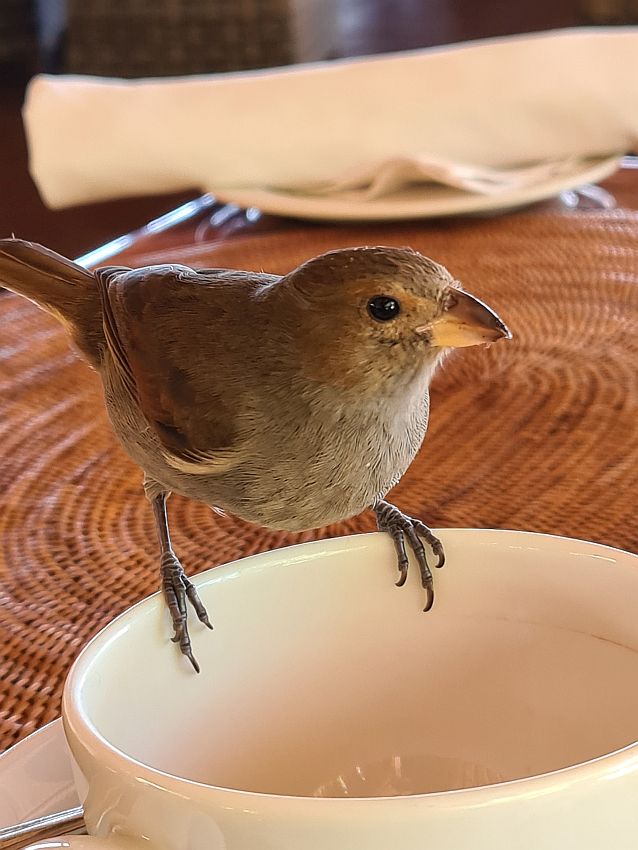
{"x":36,"y":777}
{"x":420,"y":201}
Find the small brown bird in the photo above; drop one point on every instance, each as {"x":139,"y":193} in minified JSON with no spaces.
{"x":292,"y":402}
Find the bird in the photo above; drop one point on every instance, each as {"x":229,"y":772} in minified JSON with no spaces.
{"x":291,"y":401}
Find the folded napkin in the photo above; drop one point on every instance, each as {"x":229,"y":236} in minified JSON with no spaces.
{"x":485,"y":116}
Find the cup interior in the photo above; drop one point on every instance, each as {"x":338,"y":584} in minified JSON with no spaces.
{"x":323,"y":679}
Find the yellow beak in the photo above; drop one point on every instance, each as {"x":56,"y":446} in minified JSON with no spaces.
{"x":466,"y":321}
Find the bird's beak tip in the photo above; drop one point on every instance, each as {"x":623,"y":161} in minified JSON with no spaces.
{"x":467,"y":321}
{"x":504,"y":331}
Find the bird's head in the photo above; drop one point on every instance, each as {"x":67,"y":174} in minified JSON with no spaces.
{"x":380,"y":315}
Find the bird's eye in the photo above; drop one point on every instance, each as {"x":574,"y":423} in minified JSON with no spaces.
{"x":383,"y":308}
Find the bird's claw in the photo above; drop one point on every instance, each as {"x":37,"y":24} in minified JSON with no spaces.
{"x":196,"y":602}
{"x":431,"y":539}
{"x":177,"y":588}
{"x":399,"y":526}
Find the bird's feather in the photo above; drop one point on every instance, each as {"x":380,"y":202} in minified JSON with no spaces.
{"x":171,"y":374}
{"x":61,"y":287}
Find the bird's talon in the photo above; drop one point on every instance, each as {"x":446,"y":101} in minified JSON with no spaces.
{"x":429,"y":598}
{"x":177,"y":588}
{"x":196,"y":602}
{"x":403,"y":577}
{"x":185,"y":646}
{"x":432,"y":540}
{"x":192,"y":660}
{"x":397,"y":525}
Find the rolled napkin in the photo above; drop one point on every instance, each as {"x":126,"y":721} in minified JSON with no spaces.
{"x":485,"y":116}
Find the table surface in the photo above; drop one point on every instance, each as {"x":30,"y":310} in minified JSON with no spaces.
{"x":553,"y":413}
{"x":205,"y":220}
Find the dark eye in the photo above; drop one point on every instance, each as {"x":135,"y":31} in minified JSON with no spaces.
{"x":383,"y":308}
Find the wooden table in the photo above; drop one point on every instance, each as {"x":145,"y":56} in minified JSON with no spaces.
{"x":205,"y":220}
{"x":547,"y":424}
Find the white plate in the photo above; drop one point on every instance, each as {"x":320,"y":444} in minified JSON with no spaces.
{"x":425,"y":201}
{"x":35,"y":777}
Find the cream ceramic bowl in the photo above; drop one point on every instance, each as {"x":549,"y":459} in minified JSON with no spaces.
{"x":332,"y":714}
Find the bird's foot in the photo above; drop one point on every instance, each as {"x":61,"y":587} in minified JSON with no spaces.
{"x":399,"y":526}
{"x":177,"y":588}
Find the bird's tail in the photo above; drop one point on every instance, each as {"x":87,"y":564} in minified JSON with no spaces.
{"x":57,"y":285}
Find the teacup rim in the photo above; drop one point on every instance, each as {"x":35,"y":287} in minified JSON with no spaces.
{"x":73,"y":717}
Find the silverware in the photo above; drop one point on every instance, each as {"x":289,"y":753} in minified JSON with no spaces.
{"x":59,"y":823}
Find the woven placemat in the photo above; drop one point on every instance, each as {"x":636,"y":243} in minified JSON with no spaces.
{"x":540,"y":433}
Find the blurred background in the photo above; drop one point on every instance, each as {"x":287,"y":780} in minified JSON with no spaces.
{"x":131,"y":38}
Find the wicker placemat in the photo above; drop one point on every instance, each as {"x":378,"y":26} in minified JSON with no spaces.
{"x":540,"y":433}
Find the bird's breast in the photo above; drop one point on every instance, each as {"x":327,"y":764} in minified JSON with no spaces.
{"x":333,"y":467}
{"x":297,"y":471}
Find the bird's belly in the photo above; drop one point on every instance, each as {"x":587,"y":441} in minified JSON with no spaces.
{"x":317,"y":497}
{"x":292,"y":481}
{"x":278,"y":498}
{"x":315,"y":482}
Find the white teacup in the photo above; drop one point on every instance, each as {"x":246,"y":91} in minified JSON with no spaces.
{"x":332,"y":714}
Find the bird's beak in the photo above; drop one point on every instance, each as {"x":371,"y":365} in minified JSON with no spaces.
{"x":465,"y":321}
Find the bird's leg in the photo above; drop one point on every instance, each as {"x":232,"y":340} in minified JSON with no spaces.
{"x":399,"y":527}
{"x":176,"y":587}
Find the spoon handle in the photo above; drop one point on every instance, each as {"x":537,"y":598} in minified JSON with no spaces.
{"x":59,"y":823}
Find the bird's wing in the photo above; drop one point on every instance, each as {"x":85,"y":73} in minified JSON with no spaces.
{"x":173,"y":335}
